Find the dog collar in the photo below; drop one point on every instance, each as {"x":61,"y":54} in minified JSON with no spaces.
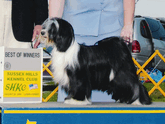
{"x":48,"y":50}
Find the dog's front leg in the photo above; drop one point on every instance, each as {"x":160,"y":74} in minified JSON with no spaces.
{"x":77,"y":102}
{"x":77,"y":97}
{"x":69,"y":96}
{"x":79,"y":91}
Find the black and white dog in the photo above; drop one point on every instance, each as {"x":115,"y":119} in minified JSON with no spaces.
{"x":79,"y":69}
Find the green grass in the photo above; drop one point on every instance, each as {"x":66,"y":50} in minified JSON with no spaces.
{"x":156,"y":96}
{"x":46,"y":93}
{"x":50,"y":83}
{"x":52,"y":99}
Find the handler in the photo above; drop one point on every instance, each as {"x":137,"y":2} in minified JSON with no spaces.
{"x":94,"y":20}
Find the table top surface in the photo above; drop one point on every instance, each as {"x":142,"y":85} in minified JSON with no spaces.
{"x":94,"y":105}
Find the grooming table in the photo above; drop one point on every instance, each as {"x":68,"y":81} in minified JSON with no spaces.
{"x":97,"y":113}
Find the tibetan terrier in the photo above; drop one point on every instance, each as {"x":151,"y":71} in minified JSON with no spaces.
{"x":79,"y":69}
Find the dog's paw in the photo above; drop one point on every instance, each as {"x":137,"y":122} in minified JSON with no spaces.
{"x":76,"y":102}
{"x":118,"y":101}
{"x":136,"y":102}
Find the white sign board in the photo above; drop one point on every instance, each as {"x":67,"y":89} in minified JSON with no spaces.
{"x":20,"y":75}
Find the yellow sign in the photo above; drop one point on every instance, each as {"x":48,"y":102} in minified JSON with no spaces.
{"x":31,"y":122}
{"x":22,"y":83}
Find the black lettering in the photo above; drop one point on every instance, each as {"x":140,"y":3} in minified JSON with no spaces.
{"x":9,"y":54}
{"x":31,"y":55}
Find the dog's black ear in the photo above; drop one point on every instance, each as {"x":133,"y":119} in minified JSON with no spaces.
{"x":52,"y":32}
{"x":65,"y":35}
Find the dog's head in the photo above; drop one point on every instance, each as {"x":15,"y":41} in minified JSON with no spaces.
{"x":58,"y":33}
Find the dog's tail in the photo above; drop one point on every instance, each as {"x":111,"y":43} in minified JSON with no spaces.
{"x":143,"y":96}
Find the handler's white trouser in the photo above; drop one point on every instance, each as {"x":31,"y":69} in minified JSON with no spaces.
{"x":7,"y":38}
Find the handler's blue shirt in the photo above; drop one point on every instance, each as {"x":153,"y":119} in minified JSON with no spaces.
{"x":94,"y":17}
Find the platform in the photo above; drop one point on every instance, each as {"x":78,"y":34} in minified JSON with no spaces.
{"x":97,"y":113}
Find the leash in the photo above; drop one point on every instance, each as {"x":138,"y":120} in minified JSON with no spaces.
{"x":157,"y":64}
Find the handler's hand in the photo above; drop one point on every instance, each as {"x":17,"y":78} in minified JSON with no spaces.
{"x":127,"y":33}
{"x":36,"y":43}
{"x":36,"y":33}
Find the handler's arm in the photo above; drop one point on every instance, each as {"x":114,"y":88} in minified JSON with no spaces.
{"x":56,"y":8}
{"x":129,"y":8}
{"x":41,"y":13}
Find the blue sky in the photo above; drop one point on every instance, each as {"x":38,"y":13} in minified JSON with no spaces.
{"x":152,"y":8}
